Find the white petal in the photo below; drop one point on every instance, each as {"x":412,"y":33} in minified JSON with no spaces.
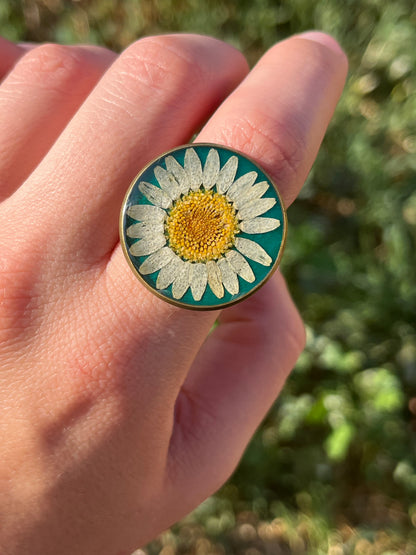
{"x":198,"y":278}
{"x":227,"y":174}
{"x":211,"y":169}
{"x":240,"y":265}
{"x":229,"y":277}
{"x":259,"y":225}
{"x":146,"y":213}
{"x":255,"y":208}
{"x":144,"y":229}
{"x":253,"y":251}
{"x":155,"y":195}
{"x":168,"y":183}
{"x":179,"y":173}
{"x":242,"y":184}
{"x":193,"y":168}
{"x":181,"y":282}
{"x":148,"y":245}
{"x":247,"y":195}
{"x":169,"y":272}
{"x":214,"y":279}
{"x":156,"y":261}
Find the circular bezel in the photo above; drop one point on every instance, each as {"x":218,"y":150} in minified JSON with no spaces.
{"x":271,"y":241}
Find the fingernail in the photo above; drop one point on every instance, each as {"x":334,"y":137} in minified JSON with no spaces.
{"x":322,"y":38}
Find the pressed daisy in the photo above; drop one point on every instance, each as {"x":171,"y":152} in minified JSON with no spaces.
{"x":203,"y":226}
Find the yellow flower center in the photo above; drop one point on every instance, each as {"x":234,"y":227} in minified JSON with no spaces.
{"x":201,"y":226}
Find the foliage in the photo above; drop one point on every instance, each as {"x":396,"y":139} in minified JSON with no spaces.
{"x":332,"y":468}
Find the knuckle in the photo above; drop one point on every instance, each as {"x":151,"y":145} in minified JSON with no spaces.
{"x":278,"y":144}
{"x":54,"y":66}
{"x":160,"y":65}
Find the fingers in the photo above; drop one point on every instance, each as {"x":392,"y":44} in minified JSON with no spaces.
{"x":9,"y":54}
{"x":279,"y":114}
{"x":152,"y":98}
{"x":237,"y":375}
{"x":39,"y":96}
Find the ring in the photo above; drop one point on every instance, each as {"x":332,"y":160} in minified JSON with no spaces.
{"x":203,"y":226}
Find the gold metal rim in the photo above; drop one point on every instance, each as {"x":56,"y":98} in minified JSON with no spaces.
{"x":181,"y":304}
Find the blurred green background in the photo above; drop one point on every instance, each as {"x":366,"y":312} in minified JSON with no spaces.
{"x":332,"y":469}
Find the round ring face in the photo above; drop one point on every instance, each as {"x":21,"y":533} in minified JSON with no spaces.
{"x":203,"y":226}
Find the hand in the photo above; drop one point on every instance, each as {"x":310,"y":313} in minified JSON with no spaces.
{"x":119,"y":412}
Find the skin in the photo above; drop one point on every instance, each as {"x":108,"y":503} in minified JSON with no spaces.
{"x":119,"y":412}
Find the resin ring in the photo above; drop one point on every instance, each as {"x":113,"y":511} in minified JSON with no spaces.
{"x":203,"y":226}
